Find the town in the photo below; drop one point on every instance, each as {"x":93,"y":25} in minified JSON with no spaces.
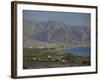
{"x":44,"y":58}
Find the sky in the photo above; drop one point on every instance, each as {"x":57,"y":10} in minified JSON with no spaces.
{"x":82,"y":19}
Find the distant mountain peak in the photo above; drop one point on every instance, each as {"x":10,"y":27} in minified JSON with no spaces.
{"x":56,"y":32}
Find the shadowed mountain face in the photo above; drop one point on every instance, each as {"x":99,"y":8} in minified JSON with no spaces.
{"x":55,"y":32}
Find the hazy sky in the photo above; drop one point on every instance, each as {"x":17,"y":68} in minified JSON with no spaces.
{"x":67,"y":17}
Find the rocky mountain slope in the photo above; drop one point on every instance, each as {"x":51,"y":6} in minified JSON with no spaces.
{"x":54,"y":34}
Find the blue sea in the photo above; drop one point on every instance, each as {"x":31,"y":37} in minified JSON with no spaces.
{"x":81,"y":51}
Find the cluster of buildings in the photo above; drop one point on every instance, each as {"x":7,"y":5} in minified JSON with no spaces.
{"x":48,"y":58}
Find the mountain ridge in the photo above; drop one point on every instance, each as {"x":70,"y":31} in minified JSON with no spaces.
{"x":55,"y":32}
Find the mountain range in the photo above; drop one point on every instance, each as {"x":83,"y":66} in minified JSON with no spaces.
{"x":54,"y":34}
